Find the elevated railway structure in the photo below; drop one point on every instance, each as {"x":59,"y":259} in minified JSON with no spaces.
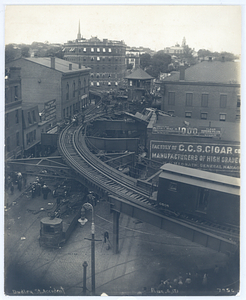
{"x":126,"y":195}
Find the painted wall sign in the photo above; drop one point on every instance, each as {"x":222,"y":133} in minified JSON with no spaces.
{"x":198,"y":155}
{"x":183,"y":130}
{"x":50,"y":110}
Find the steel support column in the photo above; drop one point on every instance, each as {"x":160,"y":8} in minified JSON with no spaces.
{"x":116,"y":218}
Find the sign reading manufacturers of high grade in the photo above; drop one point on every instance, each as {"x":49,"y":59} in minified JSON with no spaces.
{"x":193,"y":131}
{"x":217,"y":157}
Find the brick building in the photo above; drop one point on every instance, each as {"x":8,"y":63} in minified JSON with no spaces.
{"x":31,"y":130}
{"x":106,"y":58}
{"x":201,"y":144}
{"x":209,"y":91}
{"x":13,"y":114}
{"x":59,"y":88}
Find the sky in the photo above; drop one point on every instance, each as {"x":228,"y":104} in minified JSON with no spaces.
{"x":212,"y":27}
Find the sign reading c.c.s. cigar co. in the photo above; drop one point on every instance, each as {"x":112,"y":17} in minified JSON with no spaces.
{"x":207,"y":156}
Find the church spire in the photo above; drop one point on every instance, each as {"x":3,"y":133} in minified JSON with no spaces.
{"x":79,"y":34}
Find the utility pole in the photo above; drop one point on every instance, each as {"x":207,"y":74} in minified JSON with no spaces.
{"x":84,"y":277}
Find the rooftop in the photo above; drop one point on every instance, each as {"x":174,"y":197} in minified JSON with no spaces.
{"x":61,"y":65}
{"x":139,"y":74}
{"x":227,"y":72}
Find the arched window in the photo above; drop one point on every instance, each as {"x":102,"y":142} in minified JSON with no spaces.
{"x":67,"y":91}
{"x":79,"y":86}
{"x":74,"y":89}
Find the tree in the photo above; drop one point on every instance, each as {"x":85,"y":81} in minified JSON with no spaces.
{"x":25,"y":51}
{"x":10,"y":53}
{"x":145,"y":60}
{"x":159,"y":64}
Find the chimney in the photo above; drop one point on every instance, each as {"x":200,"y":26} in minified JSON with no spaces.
{"x":182,"y":73}
{"x":70,"y":66}
{"x":79,"y":65}
{"x":52,"y":62}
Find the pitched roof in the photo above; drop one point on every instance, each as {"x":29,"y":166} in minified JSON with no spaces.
{"x":61,"y":65}
{"x":139,"y":74}
{"x":214,"y":71}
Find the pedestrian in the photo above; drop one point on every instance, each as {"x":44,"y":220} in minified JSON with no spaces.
{"x":38,"y":188}
{"x":12,"y":188}
{"x":33,"y":191}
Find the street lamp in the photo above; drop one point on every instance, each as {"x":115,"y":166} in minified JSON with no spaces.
{"x":89,"y":206}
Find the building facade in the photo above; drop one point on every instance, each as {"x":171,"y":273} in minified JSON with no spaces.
{"x":105,"y":58}
{"x":201,"y":144}
{"x":58,"y":87}
{"x":31,"y":130}
{"x":209,"y":91}
{"x":133,"y":57}
{"x":13,"y":114}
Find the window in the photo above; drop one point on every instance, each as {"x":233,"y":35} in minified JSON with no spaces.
{"x":98,"y":49}
{"x":7,"y":120}
{"x":84,"y":49}
{"x":67,"y":111}
{"x":237,"y":117}
{"x":73,"y":89}
{"x":67,"y":91}
{"x":17,"y":116}
{"x":63,"y":113}
{"x":188,"y":114}
{"x":84,"y":58}
{"x":223,"y":100}
{"x":17,"y":139}
{"x":204,"y":100}
{"x":130,"y":82}
{"x":29,"y":117}
{"x":238,"y":101}
{"x":189,"y":98}
{"x":8,"y":144}
{"x":16,"y":93}
{"x":104,"y":50}
{"x":173,"y":186}
{"x":222,"y":117}
{"x":109,"y":50}
{"x":92,"y":58}
{"x":92,"y":49}
{"x":98,"y":58}
{"x":204,"y":116}
{"x":79,"y":86}
{"x":171,"y":98}
{"x":34,"y":135}
{"x":34,"y":116}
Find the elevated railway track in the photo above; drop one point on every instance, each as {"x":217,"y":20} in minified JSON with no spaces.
{"x":125,"y":196}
